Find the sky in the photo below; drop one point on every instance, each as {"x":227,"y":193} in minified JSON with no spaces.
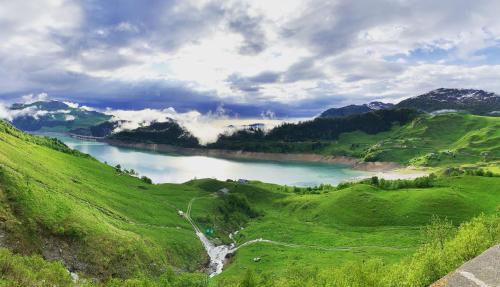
{"x":252,"y":58}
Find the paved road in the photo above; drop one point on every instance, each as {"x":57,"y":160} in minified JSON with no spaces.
{"x":482,"y":271}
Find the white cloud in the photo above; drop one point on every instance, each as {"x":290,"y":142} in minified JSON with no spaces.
{"x":72,"y":105}
{"x":88,"y":109}
{"x":31,"y":98}
{"x":268,"y":114}
{"x":8,"y":114}
{"x":5,"y":112}
{"x":198,"y":124}
{"x":198,"y":45}
{"x":205,"y":127}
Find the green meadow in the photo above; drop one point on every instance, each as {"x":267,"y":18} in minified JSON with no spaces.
{"x":427,"y":140}
{"x":114,"y":229}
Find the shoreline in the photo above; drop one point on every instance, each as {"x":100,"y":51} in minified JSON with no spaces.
{"x":262,"y":156}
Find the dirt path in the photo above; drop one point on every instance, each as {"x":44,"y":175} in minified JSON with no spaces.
{"x":219,"y":253}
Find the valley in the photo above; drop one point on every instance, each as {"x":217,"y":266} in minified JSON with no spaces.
{"x":221,"y":143}
{"x":350,"y":196}
{"x":67,"y":206}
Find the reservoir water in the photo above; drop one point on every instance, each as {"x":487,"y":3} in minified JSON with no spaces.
{"x":166,"y":167}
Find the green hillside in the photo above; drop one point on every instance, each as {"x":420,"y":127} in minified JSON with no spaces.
{"x":441,"y":139}
{"x":362,"y":221}
{"x":103,"y":223}
{"x":428,"y":140}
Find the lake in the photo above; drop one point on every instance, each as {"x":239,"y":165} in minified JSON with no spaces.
{"x":166,"y":167}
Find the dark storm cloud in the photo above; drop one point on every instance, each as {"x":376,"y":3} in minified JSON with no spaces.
{"x":251,"y":30}
{"x":253,"y":83}
{"x":304,"y":69}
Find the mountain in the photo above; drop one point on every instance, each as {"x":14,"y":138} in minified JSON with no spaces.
{"x":477,"y":102}
{"x":53,"y":116}
{"x":311,"y":136}
{"x":101,"y":130}
{"x":355,"y":109}
{"x":169,"y":133}
{"x":395,"y":135}
{"x":380,"y":106}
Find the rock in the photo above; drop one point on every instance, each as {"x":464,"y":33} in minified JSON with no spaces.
{"x":74,"y":276}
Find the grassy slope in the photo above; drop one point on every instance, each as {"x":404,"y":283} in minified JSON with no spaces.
{"x":120,"y":226}
{"x":355,"y":223}
{"x":428,"y":140}
{"x":442,"y":139}
{"x":115,"y":224}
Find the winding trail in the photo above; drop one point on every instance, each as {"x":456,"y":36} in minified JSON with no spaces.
{"x":219,"y":253}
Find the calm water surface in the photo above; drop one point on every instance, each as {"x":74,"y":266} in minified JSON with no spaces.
{"x":166,"y":167}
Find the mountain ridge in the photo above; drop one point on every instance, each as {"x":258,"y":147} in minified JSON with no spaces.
{"x":54,"y":116}
{"x":474,"y":101}
{"x":355,"y":109}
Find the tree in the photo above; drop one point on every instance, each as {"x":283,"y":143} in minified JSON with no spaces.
{"x":146,"y":179}
{"x":439,"y":230}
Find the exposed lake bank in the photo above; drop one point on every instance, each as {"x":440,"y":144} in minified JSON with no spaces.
{"x":354,"y":163}
{"x":174,"y":165}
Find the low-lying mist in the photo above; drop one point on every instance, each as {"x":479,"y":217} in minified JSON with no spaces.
{"x":206,"y":127}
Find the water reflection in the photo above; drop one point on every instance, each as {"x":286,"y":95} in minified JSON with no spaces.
{"x":161,"y":167}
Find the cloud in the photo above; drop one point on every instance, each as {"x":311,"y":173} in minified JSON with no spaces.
{"x":72,"y":105}
{"x":200,"y":125}
{"x":206,"y":127}
{"x":268,"y":114}
{"x":250,"y":55}
{"x":31,"y":98}
{"x":7,"y":114}
{"x":250,"y":28}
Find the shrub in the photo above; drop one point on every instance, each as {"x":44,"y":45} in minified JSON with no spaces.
{"x":146,"y":179}
{"x":446,"y":249}
{"x":420,"y":182}
{"x":16,"y":270}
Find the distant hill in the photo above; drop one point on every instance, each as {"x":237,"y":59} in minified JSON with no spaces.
{"x":101,"y":130}
{"x":355,"y":110}
{"x":308,"y":136}
{"x":476,"y":102}
{"x":54,"y":116}
{"x":169,"y":132}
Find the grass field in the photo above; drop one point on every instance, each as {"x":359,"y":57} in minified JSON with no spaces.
{"x":352,"y":224}
{"x":106,"y":224}
{"x":428,"y":140}
{"x":442,"y":139}
{"x":115,"y":224}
